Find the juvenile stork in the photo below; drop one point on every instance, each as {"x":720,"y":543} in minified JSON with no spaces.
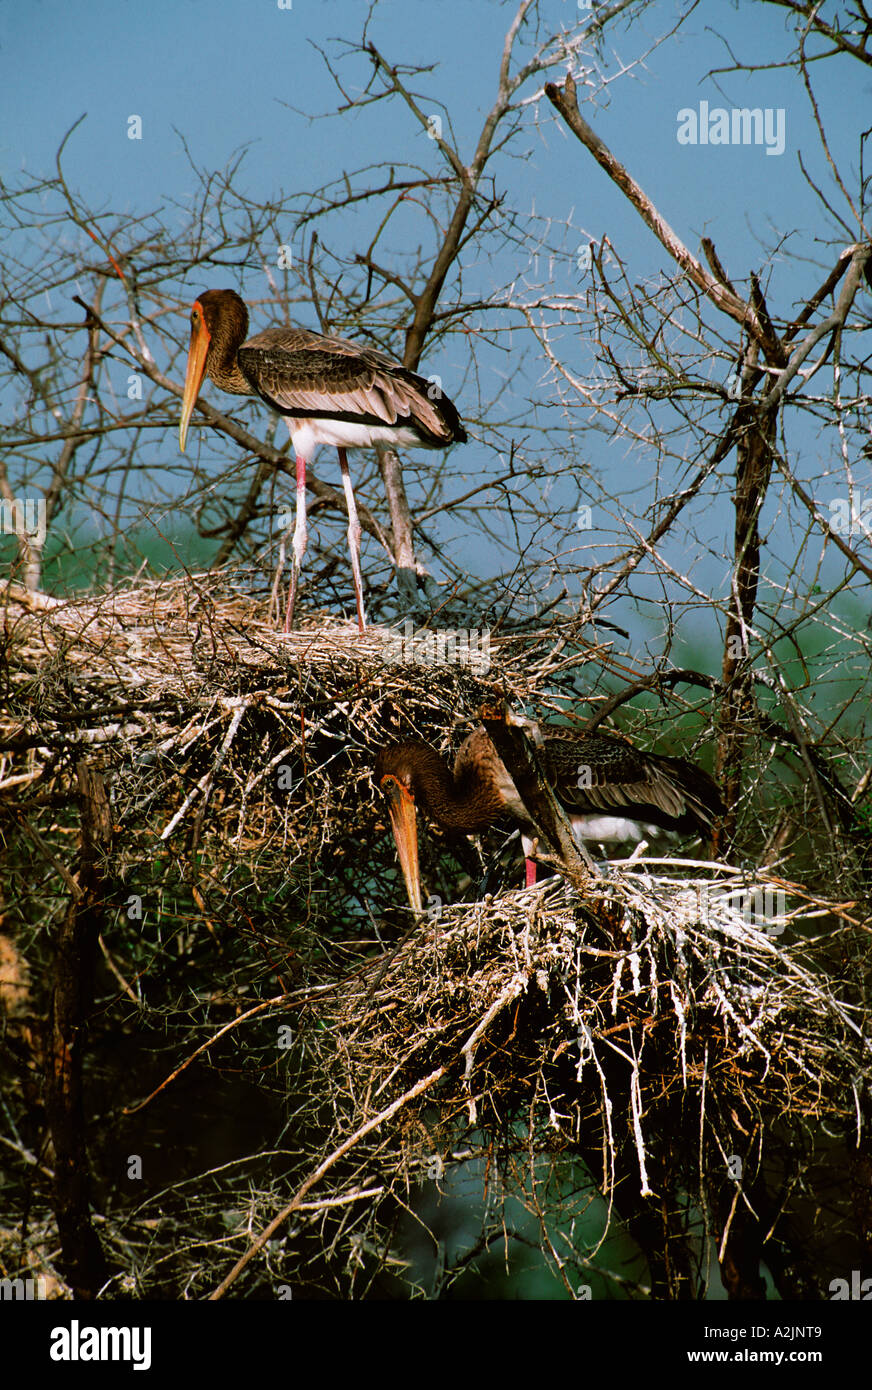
{"x":330,"y":391}
{"x":610,"y":790}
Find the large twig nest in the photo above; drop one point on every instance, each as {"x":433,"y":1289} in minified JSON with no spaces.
{"x":239,"y":764}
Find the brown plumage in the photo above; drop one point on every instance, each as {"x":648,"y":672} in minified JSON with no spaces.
{"x":330,"y":391}
{"x":606,"y":786}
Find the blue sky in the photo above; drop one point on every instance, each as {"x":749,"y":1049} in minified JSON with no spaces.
{"x":224,"y":74}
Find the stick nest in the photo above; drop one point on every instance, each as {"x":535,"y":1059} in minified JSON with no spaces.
{"x":238,"y":764}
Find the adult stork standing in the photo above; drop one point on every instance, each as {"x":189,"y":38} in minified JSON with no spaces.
{"x":330,"y":391}
{"x":610,"y":790}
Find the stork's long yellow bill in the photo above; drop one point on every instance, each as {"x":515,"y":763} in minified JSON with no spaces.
{"x":196,"y":370}
{"x":404,"y":822}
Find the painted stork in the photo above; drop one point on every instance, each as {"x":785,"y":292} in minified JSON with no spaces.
{"x":329,"y":390}
{"x":610,"y":790}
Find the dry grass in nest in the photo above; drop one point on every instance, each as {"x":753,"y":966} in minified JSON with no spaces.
{"x":213,"y":728}
{"x":614,"y":1008}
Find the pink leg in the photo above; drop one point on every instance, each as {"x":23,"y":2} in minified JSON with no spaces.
{"x":530,"y":867}
{"x":353,"y":538}
{"x":299,"y":541}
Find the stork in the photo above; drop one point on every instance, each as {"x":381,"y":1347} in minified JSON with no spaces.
{"x":330,"y":391}
{"x":609,"y":789}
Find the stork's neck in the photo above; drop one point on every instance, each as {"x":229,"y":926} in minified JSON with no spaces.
{"x":227,"y":321}
{"x":463,"y":800}
{"x":222,"y":367}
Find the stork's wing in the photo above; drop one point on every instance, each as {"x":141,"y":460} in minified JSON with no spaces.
{"x":303,"y":374}
{"x":597,"y":773}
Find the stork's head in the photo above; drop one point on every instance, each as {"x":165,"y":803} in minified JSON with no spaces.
{"x":394,"y":776}
{"x":219,"y":319}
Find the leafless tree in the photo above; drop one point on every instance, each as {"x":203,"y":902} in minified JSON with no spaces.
{"x":707,"y":378}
